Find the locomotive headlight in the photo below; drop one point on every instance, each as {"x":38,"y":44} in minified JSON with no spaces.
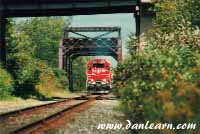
{"x":91,"y":81}
{"x":104,"y":81}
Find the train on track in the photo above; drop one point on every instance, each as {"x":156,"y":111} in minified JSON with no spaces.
{"x":99,"y":76}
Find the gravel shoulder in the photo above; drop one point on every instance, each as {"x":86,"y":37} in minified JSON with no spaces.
{"x":86,"y":122}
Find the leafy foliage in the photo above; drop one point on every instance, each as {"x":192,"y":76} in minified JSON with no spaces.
{"x":44,"y":35}
{"x":192,"y":11}
{"x":32,"y":77}
{"x":20,"y":61}
{"x":79,"y":74}
{"x":6,"y":84}
{"x":48,"y":81}
{"x":32,"y":57}
{"x":161,"y":82}
{"x":169,"y":12}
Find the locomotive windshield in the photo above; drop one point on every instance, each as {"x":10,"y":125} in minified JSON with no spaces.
{"x":98,"y":65}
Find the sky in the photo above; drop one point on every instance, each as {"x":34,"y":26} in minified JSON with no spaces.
{"x":125,"y":21}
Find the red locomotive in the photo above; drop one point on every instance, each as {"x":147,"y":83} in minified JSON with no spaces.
{"x":99,"y":76}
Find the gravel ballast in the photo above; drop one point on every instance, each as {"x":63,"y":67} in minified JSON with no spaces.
{"x":86,"y":122}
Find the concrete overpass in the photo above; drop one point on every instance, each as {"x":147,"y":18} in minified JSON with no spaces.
{"x":34,"y":8}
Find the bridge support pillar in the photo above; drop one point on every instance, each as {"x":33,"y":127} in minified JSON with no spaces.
{"x":70,"y":73}
{"x":60,"y":55}
{"x":2,"y":38}
{"x":137,"y":18}
{"x":119,"y":52}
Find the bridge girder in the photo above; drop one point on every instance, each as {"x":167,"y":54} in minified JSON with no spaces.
{"x":109,"y":44}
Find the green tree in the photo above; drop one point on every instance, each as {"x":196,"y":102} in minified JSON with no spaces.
{"x":169,"y":12}
{"x":191,"y":11}
{"x":20,"y":62}
{"x":31,"y":75}
{"x":44,"y":35}
{"x":79,"y":73}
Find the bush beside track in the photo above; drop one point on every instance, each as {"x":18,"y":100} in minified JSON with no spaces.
{"x":161,"y":82}
{"x":6,"y":84}
{"x":33,"y":76}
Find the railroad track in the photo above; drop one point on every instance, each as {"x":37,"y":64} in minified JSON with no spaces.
{"x":29,"y":110}
{"x":52,"y":121}
{"x":56,"y":120}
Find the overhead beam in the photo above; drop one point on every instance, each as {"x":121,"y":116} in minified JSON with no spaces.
{"x":25,"y":8}
{"x":65,"y":5}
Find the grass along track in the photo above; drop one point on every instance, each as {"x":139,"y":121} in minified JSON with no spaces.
{"x":29,"y":110}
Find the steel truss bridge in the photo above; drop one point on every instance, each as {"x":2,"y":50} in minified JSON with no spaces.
{"x":101,"y":45}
